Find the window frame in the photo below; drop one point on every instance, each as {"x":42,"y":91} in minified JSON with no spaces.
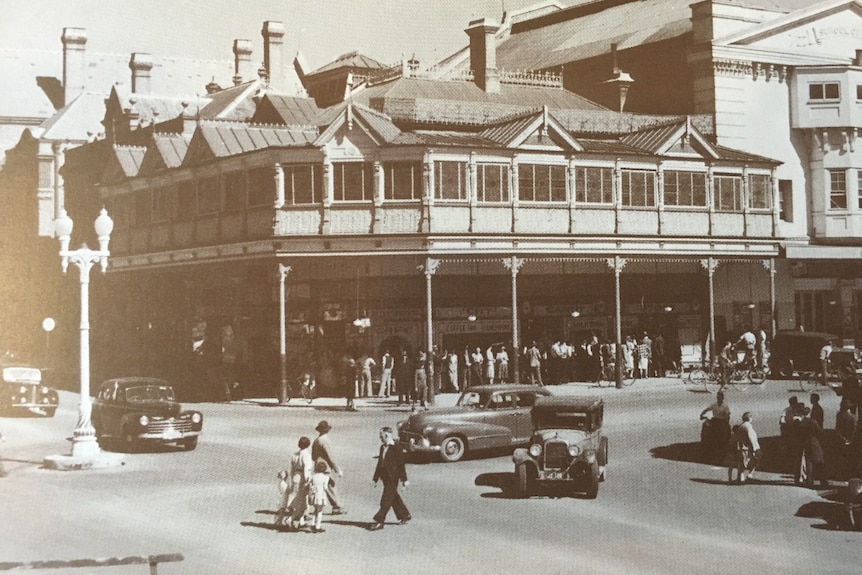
{"x":260,"y":187}
{"x":235,"y":191}
{"x":834,"y":192}
{"x":583,"y":192}
{"x":690,"y":190}
{"x":504,"y":179}
{"x":208,"y":196}
{"x":823,"y":87}
{"x":754,"y":190}
{"x":462,"y":186}
{"x":315,"y":182}
{"x":532,"y":174}
{"x":366,"y":174}
{"x":395,"y":175}
{"x":718,"y":193}
{"x":629,"y":186}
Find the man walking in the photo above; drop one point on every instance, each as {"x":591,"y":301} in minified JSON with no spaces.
{"x":751,"y":444}
{"x":390,"y":469}
{"x":321,"y":450}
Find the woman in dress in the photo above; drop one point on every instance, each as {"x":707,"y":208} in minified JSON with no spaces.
{"x":317,"y":494}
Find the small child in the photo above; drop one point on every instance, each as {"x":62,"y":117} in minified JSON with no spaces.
{"x":736,"y":458}
{"x":317,"y":494}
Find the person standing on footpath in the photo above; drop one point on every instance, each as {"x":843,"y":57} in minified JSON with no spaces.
{"x":348,"y":380}
{"x":390,"y":469}
{"x":502,"y":368}
{"x":452,"y":363}
{"x":387,"y":363}
{"x":476,"y":367}
{"x":403,"y":377}
{"x":715,"y":432}
{"x":490,"y":360}
{"x":366,"y":387}
{"x":816,"y":409}
{"x":534,"y":360}
{"x":420,"y":381}
{"x":321,"y":450}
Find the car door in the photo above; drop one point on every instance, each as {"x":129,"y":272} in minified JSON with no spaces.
{"x":506,"y":413}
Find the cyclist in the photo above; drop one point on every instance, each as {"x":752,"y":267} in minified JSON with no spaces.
{"x":726,"y":362}
{"x":307,"y":385}
{"x":747,"y":342}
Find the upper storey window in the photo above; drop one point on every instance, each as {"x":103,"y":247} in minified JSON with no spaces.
{"x":759,"y":192}
{"x":402,"y":180}
{"x":823,"y":91}
{"x":261,"y":187}
{"x":837,"y":190}
{"x":728,"y":193}
{"x":541,"y":183}
{"x":638,"y":188}
{"x":594,"y":185}
{"x":492,"y":182}
{"x":685,"y":189}
{"x":353,"y":181}
{"x":303,"y":184}
{"x":450,"y":180}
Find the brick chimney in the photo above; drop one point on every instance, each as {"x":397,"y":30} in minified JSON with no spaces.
{"x":273,"y":61}
{"x":483,"y":54}
{"x":74,"y":62}
{"x":141,"y":65}
{"x":242,"y":70}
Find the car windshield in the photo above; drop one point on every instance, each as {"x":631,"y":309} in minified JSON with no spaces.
{"x":472,"y":399}
{"x":149,"y":393}
{"x":561,"y":420}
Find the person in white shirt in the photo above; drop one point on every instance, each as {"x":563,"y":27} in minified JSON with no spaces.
{"x":502,"y":361}
{"x":747,"y":341}
{"x":749,"y":437}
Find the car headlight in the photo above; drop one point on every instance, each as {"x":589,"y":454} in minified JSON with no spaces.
{"x":143,"y":420}
{"x":574,"y":450}
{"x":536,"y":449}
{"x":426,"y":442}
{"x":196,"y":418}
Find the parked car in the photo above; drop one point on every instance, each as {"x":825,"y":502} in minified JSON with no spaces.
{"x":485,"y":417}
{"x":22,"y":391}
{"x":797,"y":352}
{"x":567,"y":450}
{"x":132,"y":411}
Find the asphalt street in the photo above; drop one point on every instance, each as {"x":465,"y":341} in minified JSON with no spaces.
{"x":660,"y":511}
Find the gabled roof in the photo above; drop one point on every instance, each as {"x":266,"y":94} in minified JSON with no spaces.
{"x":540,"y":124}
{"x":349,"y":60}
{"x":234,"y":103}
{"x":679,"y":138}
{"x":79,"y":121}
{"x":216,"y":139}
{"x":123,"y":162}
{"x":165,"y":151}
{"x":287,"y":110}
{"x":154,"y":108}
{"x":798,"y":18}
{"x":379,"y":127}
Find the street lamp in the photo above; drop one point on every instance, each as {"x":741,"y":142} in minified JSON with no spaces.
{"x":85,"y":449}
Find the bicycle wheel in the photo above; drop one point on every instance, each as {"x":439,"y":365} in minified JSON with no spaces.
{"x":712,"y":383}
{"x":808,"y":381}
{"x":697,"y":376}
{"x":628,"y":379}
{"x":739,"y":381}
{"x":756,"y":375}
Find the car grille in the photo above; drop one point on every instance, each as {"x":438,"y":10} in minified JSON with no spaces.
{"x":405,"y":437}
{"x":159,"y":426}
{"x":556,"y":455}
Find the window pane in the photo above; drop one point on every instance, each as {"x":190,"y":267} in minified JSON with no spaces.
{"x":728,"y":190}
{"x":450,"y":180}
{"x":302,"y":185}
{"x":831,"y":91}
{"x":837,"y":190}
{"x":208,"y":196}
{"x":759,"y":192}
{"x":815,"y":91}
{"x":493,"y":182}
{"x":143,"y":205}
{"x":185,"y":204}
{"x":161,"y":204}
{"x":594,"y":185}
{"x":234,"y":191}
{"x":403,"y":180}
{"x":354,"y":181}
{"x":638,"y":188}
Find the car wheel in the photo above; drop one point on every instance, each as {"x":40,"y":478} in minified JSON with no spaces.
{"x":602,"y":455}
{"x":190,"y":443}
{"x":592,"y":490}
{"x":452,"y":449}
{"x":522,"y":481}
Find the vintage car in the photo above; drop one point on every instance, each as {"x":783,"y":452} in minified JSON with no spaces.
{"x":131,"y":411}
{"x":485,"y":417}
{"x":798,"y":352}
{"x":22,"y":392}
{"x":567,"y":449}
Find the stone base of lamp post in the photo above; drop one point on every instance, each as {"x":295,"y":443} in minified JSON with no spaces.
{"x":86,"y":454}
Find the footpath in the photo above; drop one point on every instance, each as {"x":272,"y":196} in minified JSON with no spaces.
{"x":448,"y":399}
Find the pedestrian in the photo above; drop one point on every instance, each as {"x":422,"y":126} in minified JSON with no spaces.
{"x":403,"y":377}
{"x":534,"y":361}
{"x":751,"y":445}
{"x":715,"y":431}
{"x":846,"y":422}
{"x":348,"y":380}
{"x":321,"y":450}
{"x":629,"y":350}
{"x":366,"y":385}
{"x":658,"y":356}
{"x":825,"y":352}
{"x":477,"y":359}
{"x":390,"y":469}
{"x":466,"y":368}
{"x":420,"y":381}
{"x":761,"y":347}
{"x":452,"y":359}
{"x":810,"y":467}
{"x":816,"y":409}
{"x":387,"y":363}
{"x":295,"y":497}
{"x":735,"y":457}
{"x":644,"y":349}
{"x":317,"y":486}
{"x":502,"y":365}
{"x":435,"y":374}
{"x":490,"y":361}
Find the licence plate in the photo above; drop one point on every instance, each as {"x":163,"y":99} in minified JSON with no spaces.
{"x":555,"y":475}
{"x":171,"y":434}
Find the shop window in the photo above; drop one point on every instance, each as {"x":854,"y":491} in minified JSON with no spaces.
{"x":541,"y":183}
{"x":450,"y":180}
{"x":785,"y":200}
{"x":492,"y":182}
{"x":637,"y":188}
{"x":823,"y":91}
{"x":727,"y":193}
{"x":837,"y":190}
{"x":234,"y":191}
{"x":261,"y":187}
{"x":685,"y":189}
{"x":402,"y":180}
{"x":594,"y":185}
{"x":353,"y":181}
{"x":759,"y":192}
{"x":143,"y":208}
{"x":303,"y":184}
{"x":209,"y":196}
{"x":162,"y":204}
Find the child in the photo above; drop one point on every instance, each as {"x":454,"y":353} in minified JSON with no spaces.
{"x":317,"y":494}
{"x":737,"y":456}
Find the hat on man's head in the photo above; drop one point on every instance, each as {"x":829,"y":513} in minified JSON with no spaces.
{"x":323,"y":427}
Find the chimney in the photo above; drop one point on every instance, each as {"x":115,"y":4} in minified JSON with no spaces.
{"x":273,"y":39}
{"x":241,"y":61}
{"x":74,"y":62}
{"x":483,"y":54}
{"x":141,"y":64}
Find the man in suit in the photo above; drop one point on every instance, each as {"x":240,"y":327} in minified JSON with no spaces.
{"x":390,"y":469}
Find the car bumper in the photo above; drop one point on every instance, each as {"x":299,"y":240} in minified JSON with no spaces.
{"x":167,"y":435}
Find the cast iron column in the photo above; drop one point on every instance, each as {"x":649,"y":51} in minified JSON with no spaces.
{"x":514,"y":264}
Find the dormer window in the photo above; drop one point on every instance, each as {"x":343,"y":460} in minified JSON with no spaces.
{"x":818,"y":91}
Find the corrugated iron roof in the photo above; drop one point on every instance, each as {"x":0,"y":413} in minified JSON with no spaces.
{"x":232,"y":138}
{"x":349,"y":60}
{"x":504,"y":133}
{"x":79,"y":121}
{"x":295,"y":110}
{"x":130,"y":158}
{"x":172,"y":148}
{"x":652,"y":139}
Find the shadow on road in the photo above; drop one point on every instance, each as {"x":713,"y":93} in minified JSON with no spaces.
{"x":505,"y":482}
{"x":831,"y":511}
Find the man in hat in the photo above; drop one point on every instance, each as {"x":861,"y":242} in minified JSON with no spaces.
{"x":321,"y":450}
{"x":390,"y":469}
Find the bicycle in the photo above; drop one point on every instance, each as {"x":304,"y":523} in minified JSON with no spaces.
{"x":738,"y":376}
{"x":813,"y":380}
{"x":608,"y":375}
{"x":307,"y":389}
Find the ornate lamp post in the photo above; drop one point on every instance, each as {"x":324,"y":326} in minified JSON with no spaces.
{"x":85,"y":449}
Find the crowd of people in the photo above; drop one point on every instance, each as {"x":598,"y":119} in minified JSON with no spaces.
{"x":802,"y":449}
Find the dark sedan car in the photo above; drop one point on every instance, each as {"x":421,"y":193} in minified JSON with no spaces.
{"x":485,"y":417}
{"x":798,"y":352}
{"x":137,"y":410}
{"x":22,"y":392}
